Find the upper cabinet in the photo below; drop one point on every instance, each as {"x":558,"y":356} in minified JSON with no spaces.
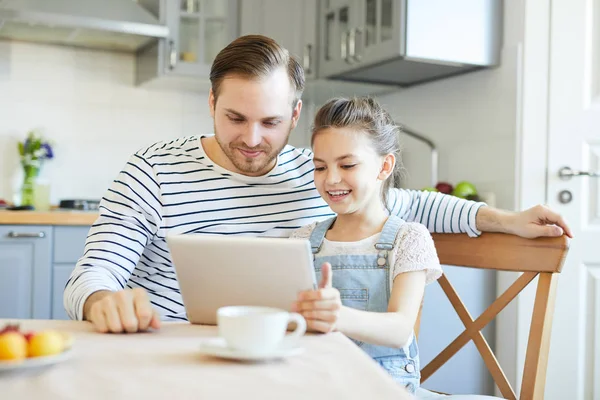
{"x":347,"y":47}
{"x":339,"y":20}
{"x":293,"y":24}
{"x":198,"y":29}
{"x":406,"y":42}
{"x":358,"y":33}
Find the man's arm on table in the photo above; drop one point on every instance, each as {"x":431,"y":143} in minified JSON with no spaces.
{"x":130,"y":215}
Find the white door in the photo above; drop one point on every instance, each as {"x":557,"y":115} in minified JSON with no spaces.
{"x":574,"y":141}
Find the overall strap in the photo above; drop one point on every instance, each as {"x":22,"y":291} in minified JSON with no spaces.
{"x":318,"y":234}
{"x":386,"y":241}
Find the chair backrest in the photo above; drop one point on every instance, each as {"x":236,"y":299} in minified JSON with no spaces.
{"x":496,"y":251}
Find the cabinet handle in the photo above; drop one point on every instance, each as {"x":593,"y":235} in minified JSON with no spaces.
{"x":172,"y":55}
{"x":351,"y":47}
{"x":344,"y":46}
{"x":358,"y":35}
{"x":16,"y":235}
{"x":307,"y":59}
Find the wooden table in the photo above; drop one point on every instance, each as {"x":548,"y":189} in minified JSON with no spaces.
{"x":166,"y":364}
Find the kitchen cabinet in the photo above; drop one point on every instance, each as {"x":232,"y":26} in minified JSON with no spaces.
{"x":60,"y":276}
{"x":68,"y":247}
{"x":293,"y":24}
{"x":35,"y":263}
{"x":358,"y":33}
{"x":25,"y":273}
{"x":339,"y":20}
{"x":407,"y":42}
{"x":381,"y":32}
{"x":199,"y":29}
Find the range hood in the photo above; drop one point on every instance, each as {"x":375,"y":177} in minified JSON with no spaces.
{"x":116,"y":25}
{"x":425,"y":40}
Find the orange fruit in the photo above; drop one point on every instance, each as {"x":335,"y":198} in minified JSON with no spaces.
{"x":46,"y":343}
{"x":13,"y":346}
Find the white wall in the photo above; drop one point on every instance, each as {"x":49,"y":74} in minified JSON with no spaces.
{"x":85,"y":101}
{"x":472,"y":120}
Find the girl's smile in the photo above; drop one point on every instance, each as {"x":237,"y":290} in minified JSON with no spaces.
{"x":337,"y":196}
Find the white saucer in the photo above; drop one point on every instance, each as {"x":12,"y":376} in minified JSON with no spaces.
{"x":217,"y":347}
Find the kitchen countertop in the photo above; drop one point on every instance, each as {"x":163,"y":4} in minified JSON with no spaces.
{"x":58,"y":217}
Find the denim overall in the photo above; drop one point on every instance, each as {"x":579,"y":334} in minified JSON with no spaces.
{"x":364,"y":283}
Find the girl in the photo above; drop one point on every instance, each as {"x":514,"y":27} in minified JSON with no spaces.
{"x":374,"y":265}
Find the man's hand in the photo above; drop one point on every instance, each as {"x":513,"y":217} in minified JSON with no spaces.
{"x":123,"y":311}
{"x":320,"y":308}
{"x":535,"y":222}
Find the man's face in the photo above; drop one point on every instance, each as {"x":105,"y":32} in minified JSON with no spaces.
{"x":253,"y":120}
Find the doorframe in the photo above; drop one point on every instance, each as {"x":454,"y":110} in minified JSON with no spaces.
{"x":531,"y":170}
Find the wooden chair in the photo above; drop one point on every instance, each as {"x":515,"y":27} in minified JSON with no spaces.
{"x":541,"y":257}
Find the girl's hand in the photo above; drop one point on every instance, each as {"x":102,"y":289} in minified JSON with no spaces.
{"x":320,"y":308}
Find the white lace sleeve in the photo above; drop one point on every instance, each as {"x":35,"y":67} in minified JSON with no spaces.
{"x":303,"y":232}
{"x":415,"y":251}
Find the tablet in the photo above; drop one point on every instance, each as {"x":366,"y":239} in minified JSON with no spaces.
{"x":215,"y":271}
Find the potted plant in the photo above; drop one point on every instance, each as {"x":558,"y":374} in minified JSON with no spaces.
{"x":33,"y":152}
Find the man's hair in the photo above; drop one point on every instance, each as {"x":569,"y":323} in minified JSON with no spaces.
{"x":255,"y":57}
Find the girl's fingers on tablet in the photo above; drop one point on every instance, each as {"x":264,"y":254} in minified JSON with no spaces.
{"x":320,"y":315}
{"x":320,"y":326}
{"x":321,"y":294}
{"x":318,"y":305}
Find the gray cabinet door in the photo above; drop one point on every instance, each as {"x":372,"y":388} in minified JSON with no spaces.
{"x":16,"y":272}
{"x":293,"y":24}
{"x":198,"y":30}
{"x":69,"y":243}
{"x":310,"y":34}
{"x":60,"y":276}
{"x":358,"y":33}
{"x":378,"y":34}
{"x":25,"y":269}
{"x":339,"y":20}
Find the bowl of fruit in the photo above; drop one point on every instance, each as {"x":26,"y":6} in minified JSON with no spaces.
{"x":463,"y":189}
{"x":26,"y":349}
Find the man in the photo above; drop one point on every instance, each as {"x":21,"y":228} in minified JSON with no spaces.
{"x":241,"y":180}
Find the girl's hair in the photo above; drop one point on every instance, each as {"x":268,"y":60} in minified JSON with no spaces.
{"x":366,"y":115}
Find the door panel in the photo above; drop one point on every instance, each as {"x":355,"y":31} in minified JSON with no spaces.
{"x":574,"y":141}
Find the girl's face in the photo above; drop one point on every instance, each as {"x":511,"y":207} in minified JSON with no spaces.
{"x":348,"y":171}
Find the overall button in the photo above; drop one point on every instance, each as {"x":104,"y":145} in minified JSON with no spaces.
{"x":381,"y":261}
{"x":410,"y":368}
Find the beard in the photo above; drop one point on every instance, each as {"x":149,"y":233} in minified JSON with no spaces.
{"x":259,"y":165}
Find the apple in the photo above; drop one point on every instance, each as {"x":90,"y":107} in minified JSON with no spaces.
{"x":13,"y":346}
{"x":9,"y":328}
{"x":45,"y":343}
{"x":464,"y":189}
{"x":444,"y":187}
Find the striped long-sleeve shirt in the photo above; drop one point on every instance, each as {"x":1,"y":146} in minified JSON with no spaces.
{"x":174,"y":188}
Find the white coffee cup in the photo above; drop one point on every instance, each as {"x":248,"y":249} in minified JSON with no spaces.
{"x":257,"y":329}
